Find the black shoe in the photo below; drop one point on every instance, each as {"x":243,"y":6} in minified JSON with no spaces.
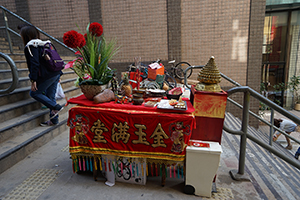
{"x":297,"y":156}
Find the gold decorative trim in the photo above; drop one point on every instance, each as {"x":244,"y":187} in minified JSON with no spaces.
{"x":133,"y":111}
{"x":133,"y":154}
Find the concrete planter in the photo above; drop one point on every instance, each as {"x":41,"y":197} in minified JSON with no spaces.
{"x":297,"y":106}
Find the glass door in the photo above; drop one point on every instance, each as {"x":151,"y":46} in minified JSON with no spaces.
{"x":274,"y":55}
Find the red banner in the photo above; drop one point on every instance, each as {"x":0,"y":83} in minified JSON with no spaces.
{"x":129,"y":132}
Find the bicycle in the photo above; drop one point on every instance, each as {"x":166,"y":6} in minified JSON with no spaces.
{"x":170,"y":80}
{"x":178,"y":70}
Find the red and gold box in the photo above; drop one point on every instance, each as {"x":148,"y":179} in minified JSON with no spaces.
{"x":209,"y":113}
{"x":152,"y":73}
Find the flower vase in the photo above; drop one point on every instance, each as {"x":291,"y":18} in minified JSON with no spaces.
{"x":90,"y":91}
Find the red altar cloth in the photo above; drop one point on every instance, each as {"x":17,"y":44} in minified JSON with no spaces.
{"x":127,"y":130}
{"x":83,"y":101}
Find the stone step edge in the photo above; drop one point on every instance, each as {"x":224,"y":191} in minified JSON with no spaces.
{"x":21,"y":151}
{"x":25,"y":102}
{"x":31,"y":137}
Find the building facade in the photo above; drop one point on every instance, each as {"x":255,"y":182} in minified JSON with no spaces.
{"x":281,"y":49}
{"x":184,"y":30}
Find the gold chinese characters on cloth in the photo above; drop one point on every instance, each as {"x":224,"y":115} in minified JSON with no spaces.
{"x":129,"y":133}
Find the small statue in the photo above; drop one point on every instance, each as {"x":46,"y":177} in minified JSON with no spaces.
{"x":126,"y":88}
{"x":114,"y":84}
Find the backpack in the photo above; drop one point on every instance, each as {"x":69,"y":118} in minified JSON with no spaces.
{"x":53,"y":60}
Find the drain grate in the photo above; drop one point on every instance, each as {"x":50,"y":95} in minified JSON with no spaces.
{"x":35,"y":185}
{"x":222,"y":193}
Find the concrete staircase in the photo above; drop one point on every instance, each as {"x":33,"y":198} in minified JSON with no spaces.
{"x":20,"y":115}
{"x":272,"y":177}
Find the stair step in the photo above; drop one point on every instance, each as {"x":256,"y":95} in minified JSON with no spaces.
{"x":4,"y":74}
{"x":20,"y":64}
{"x":25,"y":122}
{"x":20,"y":133}
{"x":23,"y":93}
{"x":17,"y":148}
{"x":266,"y":171}
{"x":23,"y":82}
{"x":9,"y":111}
{"x":4,"y":46}
{"x":17,"y":56}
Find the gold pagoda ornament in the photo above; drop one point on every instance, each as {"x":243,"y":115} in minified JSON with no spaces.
{"x":209,"y":77}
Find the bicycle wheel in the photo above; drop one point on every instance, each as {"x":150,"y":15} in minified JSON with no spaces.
{"x":180,"y":68}
{"x":118,"y":168}
{"x":170,"y":81}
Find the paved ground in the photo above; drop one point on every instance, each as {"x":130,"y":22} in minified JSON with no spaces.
{"x":47,"y":174}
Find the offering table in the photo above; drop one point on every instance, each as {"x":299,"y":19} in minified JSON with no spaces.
{"x":120,"y":131}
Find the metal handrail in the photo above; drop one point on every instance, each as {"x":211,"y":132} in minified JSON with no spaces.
{"x":239,"y":175}
{"x":8,"y":30}
{"x":271,"y":125}
{"x":14,"y":72}
{"x":244,"y":134}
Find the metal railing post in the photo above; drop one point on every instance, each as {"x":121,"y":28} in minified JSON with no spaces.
{"x":243,"y":141}
{"x":7,"y":32}
{"x":271,"y":127}
{"x":239,"y":175}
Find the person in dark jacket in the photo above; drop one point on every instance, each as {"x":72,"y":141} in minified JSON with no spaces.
{"x":43,"y":81}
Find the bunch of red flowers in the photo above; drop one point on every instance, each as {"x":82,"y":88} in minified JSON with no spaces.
{"x":93,"y":55}
{"x":74,"y":39}
{"x":96,"y":29}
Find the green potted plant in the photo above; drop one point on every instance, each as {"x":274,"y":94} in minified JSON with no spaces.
{"x":93,"y":55}
{"x":294,"y":86}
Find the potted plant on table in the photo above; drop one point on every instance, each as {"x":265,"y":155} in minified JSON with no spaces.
{"x":294,"y":86}
{"x":93,"y":55}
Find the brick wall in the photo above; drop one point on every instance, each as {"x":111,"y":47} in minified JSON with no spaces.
{"x":220,"y":29}
{"x":140,"y":27}
{"x":185,"y":30}
{"x":255,"y":51}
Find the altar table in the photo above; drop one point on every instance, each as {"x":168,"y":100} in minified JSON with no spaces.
{"x":126,"y":130}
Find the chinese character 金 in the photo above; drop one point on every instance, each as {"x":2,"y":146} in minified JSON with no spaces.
{"x":158,"y":135}
{"x":98,"y":128}
{"x":120,"y":133}
{"x":142,"y":135}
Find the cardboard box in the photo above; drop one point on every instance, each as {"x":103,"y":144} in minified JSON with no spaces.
{"x":154,"y":70}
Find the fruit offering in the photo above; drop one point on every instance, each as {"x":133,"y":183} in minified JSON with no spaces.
{"x":173,"y":102}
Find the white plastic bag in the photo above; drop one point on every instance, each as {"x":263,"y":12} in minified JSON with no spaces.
{"x":59,"y":92}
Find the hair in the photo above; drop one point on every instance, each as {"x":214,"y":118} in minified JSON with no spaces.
{"x":277,"y":122}
{"x":28,"y":32}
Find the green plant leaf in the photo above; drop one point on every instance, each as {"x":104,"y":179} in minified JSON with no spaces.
{"x":96,"y":55}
